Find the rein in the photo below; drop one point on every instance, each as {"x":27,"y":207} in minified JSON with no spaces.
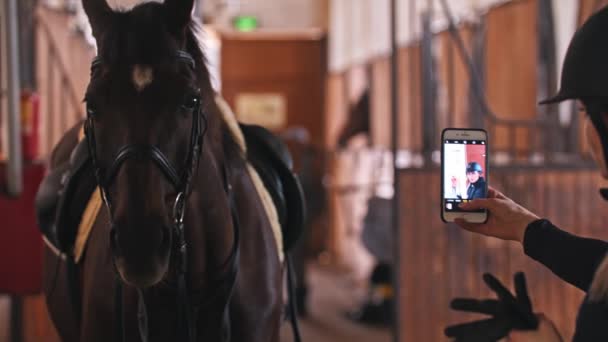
{"x":187,"y":313}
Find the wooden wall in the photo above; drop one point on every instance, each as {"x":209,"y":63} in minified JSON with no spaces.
{"x":441,"y":261}
{"x":63,"y":62}
{"x":510,"y":80}
{"x":290,"y":65}
{"x":511,"y":67}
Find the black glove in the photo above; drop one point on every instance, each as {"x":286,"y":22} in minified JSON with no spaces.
{"x":507,"y":313}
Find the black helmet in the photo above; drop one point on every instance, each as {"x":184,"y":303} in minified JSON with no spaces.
{"x":474,"y":166}
{"x":585,"y":68}
{"x":585,"y":74}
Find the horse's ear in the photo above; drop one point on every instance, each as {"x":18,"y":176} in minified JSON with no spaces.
{"x":99,"y":13}
{"x":179,"y":14}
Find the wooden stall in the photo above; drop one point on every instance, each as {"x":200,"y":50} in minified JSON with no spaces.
{"x":441,"y":261}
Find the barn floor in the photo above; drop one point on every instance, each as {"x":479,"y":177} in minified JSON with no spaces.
{"x":332,"y":294}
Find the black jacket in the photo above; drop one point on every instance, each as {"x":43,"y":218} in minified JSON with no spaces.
{"x":574,"y":259}
{"x":477,"y":189}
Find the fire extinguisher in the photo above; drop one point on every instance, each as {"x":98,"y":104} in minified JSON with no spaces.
{"x":30,"y":128}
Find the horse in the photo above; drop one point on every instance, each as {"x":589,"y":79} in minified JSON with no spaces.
{"x":358,"y":121}
{"x":184,"y":249}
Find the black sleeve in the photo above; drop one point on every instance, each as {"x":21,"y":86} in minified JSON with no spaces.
{"x":570,"y":257}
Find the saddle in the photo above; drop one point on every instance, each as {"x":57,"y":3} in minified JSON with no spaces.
{"x":273,"y":162}
{"x":64,"y":193}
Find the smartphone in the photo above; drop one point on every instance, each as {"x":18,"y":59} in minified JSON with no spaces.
{"x":464,"y":173}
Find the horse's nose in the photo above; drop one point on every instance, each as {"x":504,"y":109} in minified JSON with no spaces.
{"x":144,"y":238}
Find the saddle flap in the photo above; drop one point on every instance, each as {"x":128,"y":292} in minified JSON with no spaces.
{"x":271,"y":158}
{"x":64,"y":192}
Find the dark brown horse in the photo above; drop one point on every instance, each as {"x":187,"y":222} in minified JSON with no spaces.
{"x":154,"y":133}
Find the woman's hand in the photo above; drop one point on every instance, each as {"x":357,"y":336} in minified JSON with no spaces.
{"x":454,"y":182}
{"x":507,"y":220}
{"x":546,"y":332}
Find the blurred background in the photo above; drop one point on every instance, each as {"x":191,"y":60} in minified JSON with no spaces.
{"x":320,"y":73}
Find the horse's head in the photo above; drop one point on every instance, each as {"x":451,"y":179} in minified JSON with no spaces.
{"x":142,"y":105}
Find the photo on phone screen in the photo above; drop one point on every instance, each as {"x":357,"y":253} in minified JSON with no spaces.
{"x":464,"y":164}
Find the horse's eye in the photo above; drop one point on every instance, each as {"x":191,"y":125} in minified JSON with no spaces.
{"x":191,"y":102}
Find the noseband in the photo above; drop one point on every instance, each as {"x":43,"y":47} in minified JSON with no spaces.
{"x":182,"y":183}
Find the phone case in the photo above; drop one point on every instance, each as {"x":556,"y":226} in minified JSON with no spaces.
{"x":442,"y":173}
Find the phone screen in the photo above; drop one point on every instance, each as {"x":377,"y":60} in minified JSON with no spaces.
{"x":464,"y":173}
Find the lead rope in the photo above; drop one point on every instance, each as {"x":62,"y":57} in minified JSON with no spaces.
{"x":142,"y":316}
{"x":120,"y":331}
{"x":293,"y":312}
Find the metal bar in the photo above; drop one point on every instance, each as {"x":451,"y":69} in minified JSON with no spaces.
{"x":532,"y":145}
{"x":16,"y":319}
{"x":413,"y":100}
{"x":574,"y":142}
{"x":15,"y":157}
{"x":397,"y":248}
{"x":451,"y":86}
{"x":513,"y":140}
{"x":63,"y":117}
{"x":50,"y":114}
{"x":429,"y":111}
{"x":3,"y":86}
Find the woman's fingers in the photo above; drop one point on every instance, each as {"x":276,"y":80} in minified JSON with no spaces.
{"x":493,"y":193}
{"x":490,"y":203}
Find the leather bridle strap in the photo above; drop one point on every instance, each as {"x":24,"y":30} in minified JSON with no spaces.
{"x":141,"y":153}
{"x":181,"y":183}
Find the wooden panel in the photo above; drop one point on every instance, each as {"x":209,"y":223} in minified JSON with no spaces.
{"x":336,"y":109}
{"x":380,"y":125}
{"x":63,"y":62}
{"x":453,"y":81}
{"x":410,"y":98}
{"x":291,"y":66}
{"x":440,"y":261}
{"x":37,"y":325}
{"x":511,"y":58}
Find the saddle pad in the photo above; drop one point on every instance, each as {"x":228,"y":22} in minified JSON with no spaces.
{"x":95,"y":203}
{"x":271,"y":211}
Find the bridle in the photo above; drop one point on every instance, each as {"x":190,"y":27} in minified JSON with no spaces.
{"x":182,"y":183}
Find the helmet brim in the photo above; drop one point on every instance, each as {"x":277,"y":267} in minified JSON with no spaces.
{"x":556,"y":99}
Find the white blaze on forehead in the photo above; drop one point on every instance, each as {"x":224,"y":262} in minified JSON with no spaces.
{"x":142,"y":76}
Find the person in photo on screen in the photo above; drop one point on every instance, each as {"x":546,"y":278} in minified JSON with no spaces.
{"x":476,"y":184}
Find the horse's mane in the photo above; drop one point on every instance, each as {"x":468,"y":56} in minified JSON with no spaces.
{"x":223,"y":143}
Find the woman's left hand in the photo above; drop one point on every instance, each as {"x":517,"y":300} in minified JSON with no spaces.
{"x":546,"y":332}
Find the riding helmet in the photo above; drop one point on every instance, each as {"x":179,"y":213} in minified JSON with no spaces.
{"x":585,"y":68}
{"x":474,"y":166}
